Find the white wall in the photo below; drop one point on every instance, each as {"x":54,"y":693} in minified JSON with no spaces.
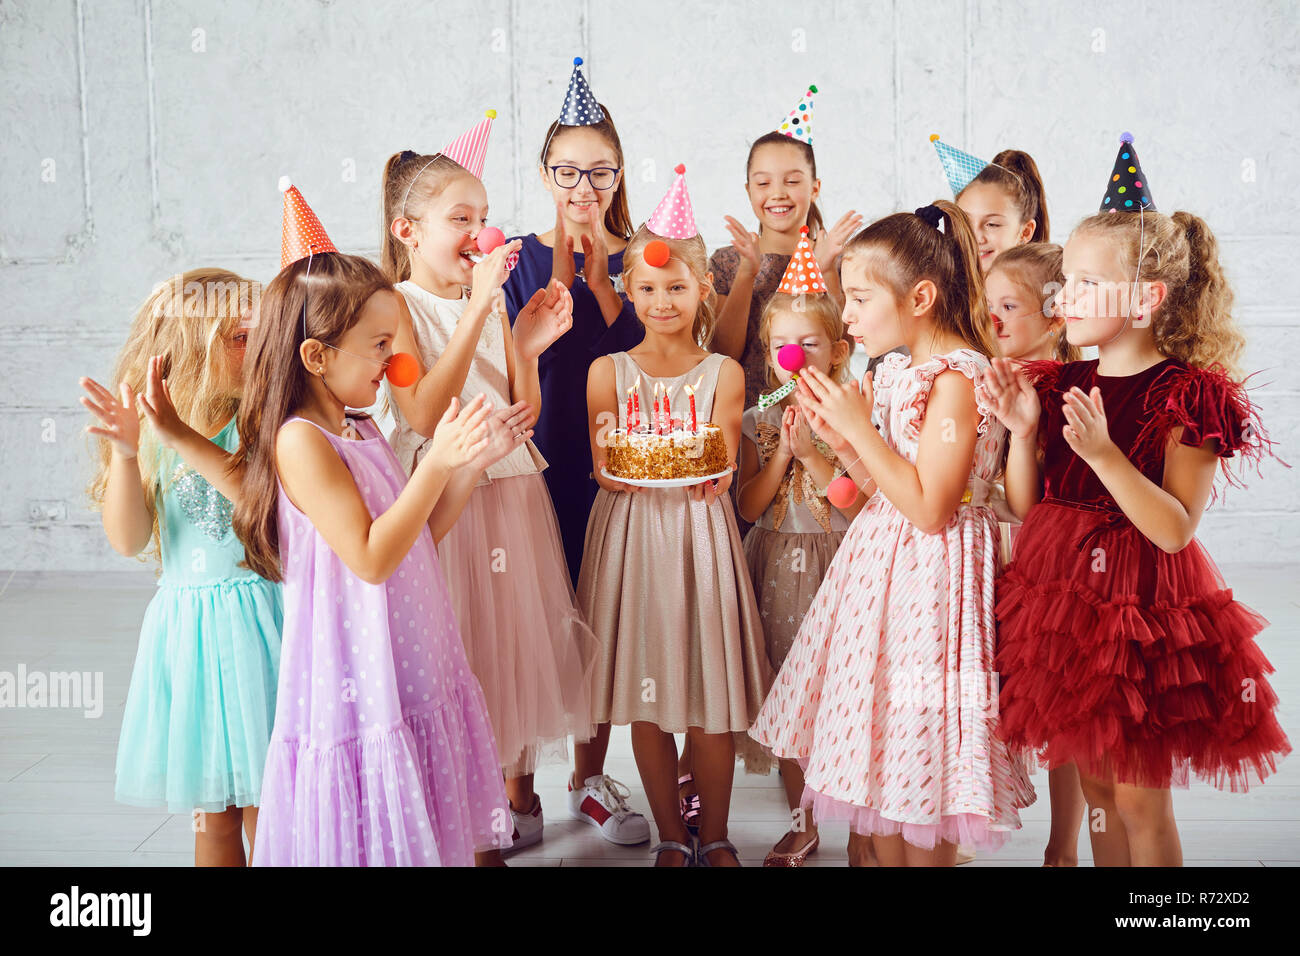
{"x":168,"y":125}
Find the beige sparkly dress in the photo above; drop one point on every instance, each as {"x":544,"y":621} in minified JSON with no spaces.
{"x":665,"y":588}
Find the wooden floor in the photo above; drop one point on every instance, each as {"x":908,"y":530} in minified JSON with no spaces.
{"x":56,"y":766}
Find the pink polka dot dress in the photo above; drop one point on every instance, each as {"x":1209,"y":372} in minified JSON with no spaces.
{"x":382,"y":754}
{"x":888,"y":696}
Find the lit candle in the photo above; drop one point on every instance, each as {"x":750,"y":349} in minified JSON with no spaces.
{"x":668,"y":412}
{"x":691,"y":394}
{"x":636,"y":402}
{"x":627,"y":419}
{"x":657,"y":421}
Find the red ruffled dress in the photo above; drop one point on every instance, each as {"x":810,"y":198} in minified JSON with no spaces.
{"x":1115,"y":655}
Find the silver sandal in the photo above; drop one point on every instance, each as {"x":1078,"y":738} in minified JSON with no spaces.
{"x":687,"y":851}
{"x":702,"y":853}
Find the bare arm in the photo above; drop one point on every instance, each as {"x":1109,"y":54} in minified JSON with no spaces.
{"x":321,"y":487}
{"x":1015,"y":402}
{"x":758,"y":486}
{"x":424,"y":403}
{"x":1168,"y":514}
{"x":125,"y":513}
{"x":928,"y":492}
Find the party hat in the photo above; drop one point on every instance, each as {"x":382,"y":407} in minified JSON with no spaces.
{"x":1127,"y":190}
{"x":301,"y":234}
{"x":798,"y":125}
{"x":959,"y":167}
{"x":580,"y":107}
{"x":673,"y":217}
{"x":802,"y":275}
{"x":470,"y":148}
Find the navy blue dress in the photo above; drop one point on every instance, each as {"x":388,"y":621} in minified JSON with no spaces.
{"x":561,"y":431}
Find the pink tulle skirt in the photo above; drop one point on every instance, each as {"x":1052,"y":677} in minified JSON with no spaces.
{"x":526,"y":641}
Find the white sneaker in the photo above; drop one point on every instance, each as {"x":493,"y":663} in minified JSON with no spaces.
{"x":602,"y":802}
{"x":528,"y":826}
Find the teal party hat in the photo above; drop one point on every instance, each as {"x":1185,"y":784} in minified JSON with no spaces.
{"x":959,"y":167}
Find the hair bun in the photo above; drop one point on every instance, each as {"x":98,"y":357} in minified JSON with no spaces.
{"x":932,"y":215}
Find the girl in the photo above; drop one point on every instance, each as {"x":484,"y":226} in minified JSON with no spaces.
{"x":382,"y":753}
{"x":1006,"y":204}
{"x":202,"y":695}
{"x":887,"y":695}
{"x":582,"y":166}
{"x":1021,"y":284}
{"x":663,"y":579}
{"x":784,"y":472}
{"x":1121,"y":651}
{"x":524,"y":637}
{"x":782,"y":185}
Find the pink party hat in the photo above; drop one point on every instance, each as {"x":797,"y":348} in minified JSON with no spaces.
{"x":673,"y":218}
{"x":470,"y":149}
{"x":803,"y":274}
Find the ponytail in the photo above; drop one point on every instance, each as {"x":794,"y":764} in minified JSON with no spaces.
{"x":969,"y":309}
{"x":1017,"y":173}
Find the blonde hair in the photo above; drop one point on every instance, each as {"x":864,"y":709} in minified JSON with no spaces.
{"x":186,"y":320}
{"x":695,"y":255}
{"x":1195,"y":324}
{"x":411,"y":181}
{"x":1036,"y":267}
{"x":906,"y":249}
{"x":820,"y":307}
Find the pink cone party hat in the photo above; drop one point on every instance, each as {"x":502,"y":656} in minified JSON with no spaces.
{"x":470,"y":149}
{"x":673,"y":218}
{"x":803,"y":275}
{"x":798,"y":124}
{"x":301,"y":234}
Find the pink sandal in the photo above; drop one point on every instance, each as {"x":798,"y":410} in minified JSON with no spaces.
{"x":690,"y":806}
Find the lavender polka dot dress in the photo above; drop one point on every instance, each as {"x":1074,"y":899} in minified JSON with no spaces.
{"x":382,"y":754}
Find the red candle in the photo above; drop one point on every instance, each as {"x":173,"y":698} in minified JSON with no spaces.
{"x":691,"y":393}
{"x":657,"y":422}
{"x":668,"y":411}
{"x":636,"y":402}
{"x":627,"y":419}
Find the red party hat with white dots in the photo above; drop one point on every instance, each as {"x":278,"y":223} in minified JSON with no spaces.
{"x":470,"y":149}
{"x":301,"y":234}
{"x":673,"y":218}
{"x":798,"y":124}
{"x":803,"y":275}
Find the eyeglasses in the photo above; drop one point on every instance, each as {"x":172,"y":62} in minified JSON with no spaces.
{"x":602,"y":177}
{"x":384,"y":362}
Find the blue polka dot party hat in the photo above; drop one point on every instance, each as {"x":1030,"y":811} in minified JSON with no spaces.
{"x":798,"y":124}
{"x":580,"y":107}
{"x":958,"y":166}
{"x":1127,"y":190}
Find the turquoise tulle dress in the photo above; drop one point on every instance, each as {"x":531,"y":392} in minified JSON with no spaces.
{"x":201,"y":704}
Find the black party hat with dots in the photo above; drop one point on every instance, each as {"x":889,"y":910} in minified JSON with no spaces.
{"x":1128,"y":189}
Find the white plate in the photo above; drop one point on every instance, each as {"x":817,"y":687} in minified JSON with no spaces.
{"x":664,"y":482}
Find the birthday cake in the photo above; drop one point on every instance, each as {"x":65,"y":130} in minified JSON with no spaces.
{"x":674,"y":453}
